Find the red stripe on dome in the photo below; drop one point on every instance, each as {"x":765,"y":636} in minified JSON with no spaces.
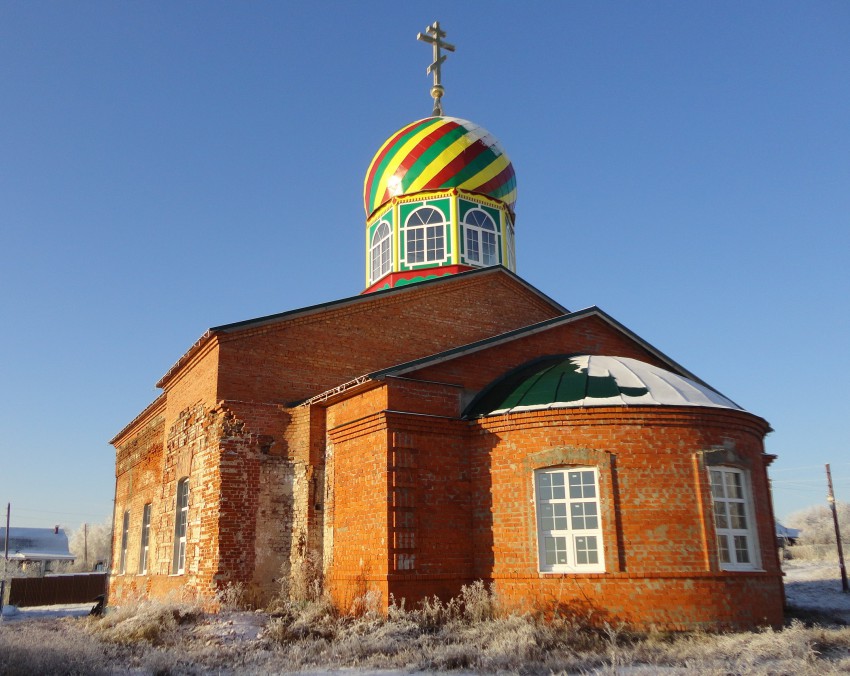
{"x":425,"y":144}
{"x":376,"y":161}
{"x":454,"y":167}
{"x":497,"y":181}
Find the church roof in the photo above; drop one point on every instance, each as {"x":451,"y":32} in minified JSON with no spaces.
{"x":438,"y":153}
{"x":564,"y":381}
{"x":373,"y":297}
{"x":675,"y":369}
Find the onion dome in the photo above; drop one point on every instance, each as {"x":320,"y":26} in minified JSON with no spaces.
{"x":589,"y":380}
{"x":439,"y":153}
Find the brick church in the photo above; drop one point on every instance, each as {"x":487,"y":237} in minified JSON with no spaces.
{"x":450,"y":423}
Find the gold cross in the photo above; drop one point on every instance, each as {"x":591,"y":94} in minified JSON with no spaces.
{"x":432,"y":36}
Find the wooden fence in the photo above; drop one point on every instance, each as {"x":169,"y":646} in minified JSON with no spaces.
{"x":56,"y":589}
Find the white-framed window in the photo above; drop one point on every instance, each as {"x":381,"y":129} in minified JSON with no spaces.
{"x":569,"y":523}
{"x":510,"y":247}
{"x":144,"y":543}
{"x":425,"y":236}
{"x":382,"y":258}
{"x":125,"y":535}
{"x":181,"y":519}
{"x":733,"y":519}
{"x":480,"y":235}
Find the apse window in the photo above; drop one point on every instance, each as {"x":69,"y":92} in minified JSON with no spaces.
{"x":381,"y":251}
{"x":180,"y":522}
{"x":480,"y":237}
{"x":569,"y":528}
{"x":733,"y":520}
{"x":425,"y":236}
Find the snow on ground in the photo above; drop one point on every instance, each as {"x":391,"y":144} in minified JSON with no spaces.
{"x":815,"y":586}
{"x":15,"y":614}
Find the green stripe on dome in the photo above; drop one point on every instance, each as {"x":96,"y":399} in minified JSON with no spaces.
{"x":431,"y":154}
{"x":553,"y":379}
{"x":390,"y":157}
{"x":483,"y":160}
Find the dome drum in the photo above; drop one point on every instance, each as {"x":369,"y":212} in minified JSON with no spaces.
{"x":436,"y":232}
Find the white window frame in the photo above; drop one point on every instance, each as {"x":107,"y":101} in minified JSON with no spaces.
{"x":125,"y":537}
{"x":144,"y":539}
{"x":431,"y":234}
{"x":734,"y":525}
{"x":475,"y":233}
{"x":181,"y":525}
{"x":381,"y":251}
{"x":510,"y":247}
{"x":569,"y":520}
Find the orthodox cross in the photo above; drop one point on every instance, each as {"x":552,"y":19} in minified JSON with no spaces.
{"x":433,"y":36}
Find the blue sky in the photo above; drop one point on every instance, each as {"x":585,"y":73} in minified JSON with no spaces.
{"x":166,"y":167}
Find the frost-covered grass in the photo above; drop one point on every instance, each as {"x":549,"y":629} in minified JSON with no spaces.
{"x":470,"y":634}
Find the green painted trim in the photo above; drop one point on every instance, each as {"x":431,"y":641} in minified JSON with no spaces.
{"x":416,"y":280}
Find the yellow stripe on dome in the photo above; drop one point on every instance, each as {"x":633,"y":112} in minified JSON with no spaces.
{"x":380,"y":151}
{"x":490,"y":171}
{"x":398,"y":156}
{"x":444,"y":158}
{"x":510,"y":198}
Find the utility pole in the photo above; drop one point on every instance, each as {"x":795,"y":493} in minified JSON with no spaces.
{"x":86,"y":547}
{"x":5,"y":558}
{"x":830,"y":498}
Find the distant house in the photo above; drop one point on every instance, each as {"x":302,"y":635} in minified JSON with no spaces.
{"x":786,"y":536}
{"x":40,"y":550}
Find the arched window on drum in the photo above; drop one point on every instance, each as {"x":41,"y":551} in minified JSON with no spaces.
{"x":480,"y":238}
{"x":382,"y":251}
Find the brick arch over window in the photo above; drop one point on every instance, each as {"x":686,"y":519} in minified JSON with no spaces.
{"x":609,"y":501}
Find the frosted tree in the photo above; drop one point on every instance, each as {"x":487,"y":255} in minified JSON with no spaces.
{"x":91,"y":547}
{"x":816,"y":525}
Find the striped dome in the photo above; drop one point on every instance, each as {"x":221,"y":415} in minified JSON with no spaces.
{"x":438,"y":153}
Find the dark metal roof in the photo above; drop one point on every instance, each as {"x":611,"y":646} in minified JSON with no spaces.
{"x":364,"y":298}
{"x":351,"y":300}
{"x":471,"y":348}
{"x":545,"y":325}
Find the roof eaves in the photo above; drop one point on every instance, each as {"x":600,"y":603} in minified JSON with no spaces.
{"x":470,"y":348}
{"x":545,"y":325}
{"x":365,"y":298}
{"x":147,"y":411}
{"x":343,"y":302}
{"x":196,"y":346}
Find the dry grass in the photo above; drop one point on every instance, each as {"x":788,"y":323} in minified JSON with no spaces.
{"x":469,"y":633}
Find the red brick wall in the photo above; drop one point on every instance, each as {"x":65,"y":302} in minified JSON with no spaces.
{"x":656,"y":512}
{"x":587,"y":335}
{"x":359,"y":538}
{"x":138,"y":471}
{"x":307,"y":355}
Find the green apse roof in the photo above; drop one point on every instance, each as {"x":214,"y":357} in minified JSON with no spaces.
{"x":562,"y":381}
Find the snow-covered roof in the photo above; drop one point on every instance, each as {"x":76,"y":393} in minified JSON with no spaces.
{"x":36,"y":544}
{"x":562,"y":381}
{"x":785,"y":532}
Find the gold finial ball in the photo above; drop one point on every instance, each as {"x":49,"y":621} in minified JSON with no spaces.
{"x":437,"y":91}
